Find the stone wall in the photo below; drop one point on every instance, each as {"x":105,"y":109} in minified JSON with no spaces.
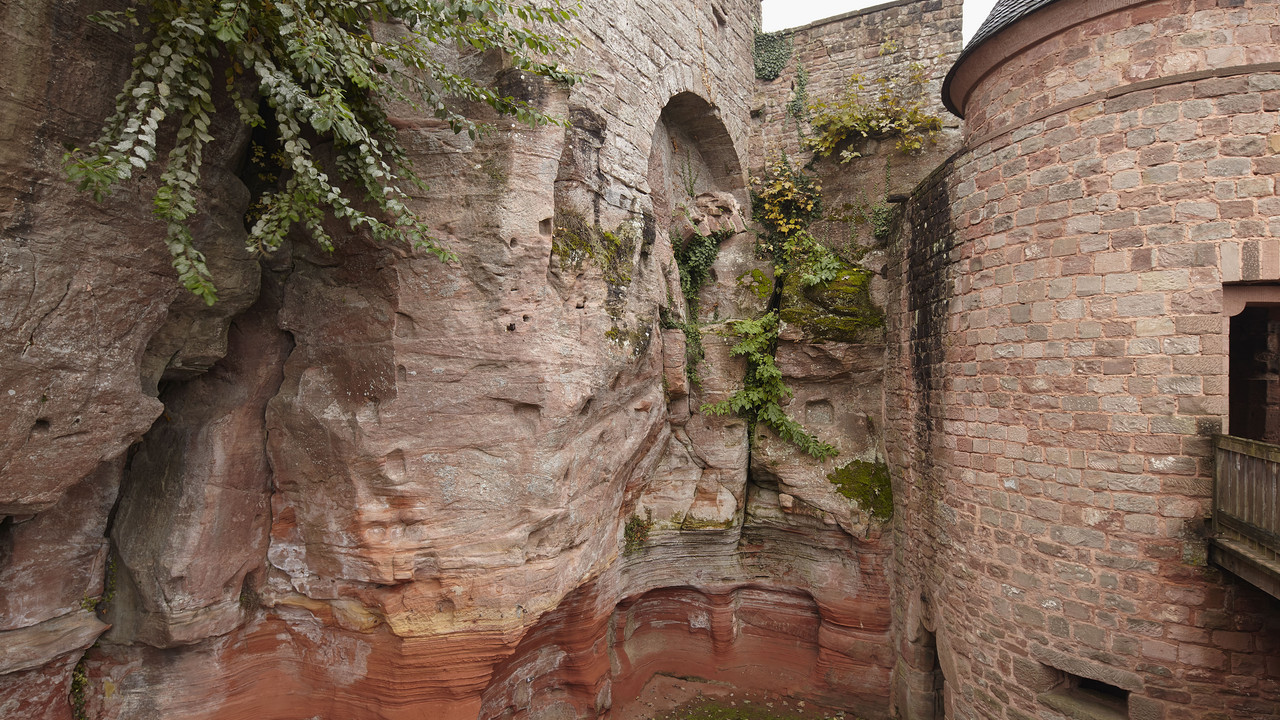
{"x":876,"y":42}
{"x":1068,"y":365}
{"x":890,"y":41}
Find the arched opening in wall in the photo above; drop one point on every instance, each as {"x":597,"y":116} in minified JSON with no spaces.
{"x":1253,"y":391}
{"x":691,"y":154}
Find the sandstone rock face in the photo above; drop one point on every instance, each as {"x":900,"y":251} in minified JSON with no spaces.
{"x":372,"y":485}
{"x":86,"y":294}
{"x":193,"y":512}
{"x":86,"y":287}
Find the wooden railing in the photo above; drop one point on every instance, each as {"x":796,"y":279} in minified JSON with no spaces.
{"x":1246,"y":510}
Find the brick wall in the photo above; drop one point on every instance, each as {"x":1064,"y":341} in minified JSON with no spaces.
{"x":640,"y":55}
{"x":1058,"y":465}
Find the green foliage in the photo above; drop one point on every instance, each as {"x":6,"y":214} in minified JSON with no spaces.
{"x":881,"y":222}
{"x":689,"y":175}
{"x":840,"y":309}
{"x":108,"y":589}
{"x":763,"y":389}
{"x":785,"y":200}
{"x":576,"y":240}
{"x":323,"y":70}
{"x":636,"y":533}
{"x":867,"y":484}
{"x":887,"y":108}
{"x":694,"y":353}
{"x":771,"y":52}
{"x":79,"y":687}
{"x":808,"y":260}
{"x":760,"y":284}
{"x":694,"y":261}
{"x":798,"y":108}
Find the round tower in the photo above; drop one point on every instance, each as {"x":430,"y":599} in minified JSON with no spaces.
{"x":1087,"y":295}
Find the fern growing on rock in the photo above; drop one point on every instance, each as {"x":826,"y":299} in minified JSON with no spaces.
{"x":759,"y":400}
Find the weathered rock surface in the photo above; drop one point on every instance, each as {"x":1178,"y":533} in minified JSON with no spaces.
{"x":193,"y":514}
{"x":399,"y":488}
{"x":85,"y":287}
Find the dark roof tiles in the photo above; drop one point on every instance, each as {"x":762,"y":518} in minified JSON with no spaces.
{"x":1005,"y":13}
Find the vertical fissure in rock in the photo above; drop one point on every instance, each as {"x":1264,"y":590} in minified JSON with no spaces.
{"x":189,"y":528}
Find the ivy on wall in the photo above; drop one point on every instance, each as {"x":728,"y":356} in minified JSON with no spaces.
{"x":771,"y":52}
{"x":763,"y":390}
{"x":784,"y":201}
{"x":308,"y":73}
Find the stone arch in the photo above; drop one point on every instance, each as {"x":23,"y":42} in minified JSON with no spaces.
{"x":692,"y":152}
{"x":698,"y":187}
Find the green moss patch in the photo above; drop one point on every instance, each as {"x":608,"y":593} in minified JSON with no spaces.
{"x":839,"y":310}
{"x":575,"y":241}
{"x":868,"y":484}
{"x":758,"y":283}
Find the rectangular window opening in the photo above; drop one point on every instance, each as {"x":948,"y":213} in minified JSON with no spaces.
{"x":1085,"y":698}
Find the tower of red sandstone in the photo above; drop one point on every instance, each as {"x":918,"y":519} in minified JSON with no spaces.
{"x":1069,"y":340}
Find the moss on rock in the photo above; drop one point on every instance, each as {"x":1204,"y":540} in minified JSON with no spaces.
{"x":576,"y":240}
{"x":840,"y":310}
{"x":758,"y":283}
{"x":868,"y":484}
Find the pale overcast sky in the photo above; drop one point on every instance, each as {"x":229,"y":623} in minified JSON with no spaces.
{"x":780,"y":14}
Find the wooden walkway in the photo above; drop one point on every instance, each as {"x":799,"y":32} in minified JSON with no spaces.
{"x":1246,"y":511}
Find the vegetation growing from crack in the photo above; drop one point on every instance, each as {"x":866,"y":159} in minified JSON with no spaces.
{"x":798,"y":107}
{"x":79,"y":688}
{"x":784,"y":200}
{"x":636,"y":533}
{"x":886,"y":108}
{"x":689,"y":174}
{"x":307,"y":73}
{"x":576,"y":240}
{"x":694,"y":352}
{"x":759,"y":400}
{"x":694,"y":259}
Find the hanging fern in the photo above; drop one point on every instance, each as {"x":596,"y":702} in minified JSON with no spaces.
{"x":759,"y":400}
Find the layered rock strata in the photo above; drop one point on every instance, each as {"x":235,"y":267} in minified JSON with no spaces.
{"x":389,"y":487}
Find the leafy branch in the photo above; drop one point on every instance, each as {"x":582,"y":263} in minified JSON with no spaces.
{"x":322,"y":69}
{"x":888,"y":108}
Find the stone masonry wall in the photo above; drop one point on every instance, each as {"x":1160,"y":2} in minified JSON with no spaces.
{"x":885,"y":41}
{"x":875,"y":42}
{"x":1114,"y":175}
{"x":921,"y":261}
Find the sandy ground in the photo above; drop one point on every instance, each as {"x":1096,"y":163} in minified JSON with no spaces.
{"x":670,"y":698}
